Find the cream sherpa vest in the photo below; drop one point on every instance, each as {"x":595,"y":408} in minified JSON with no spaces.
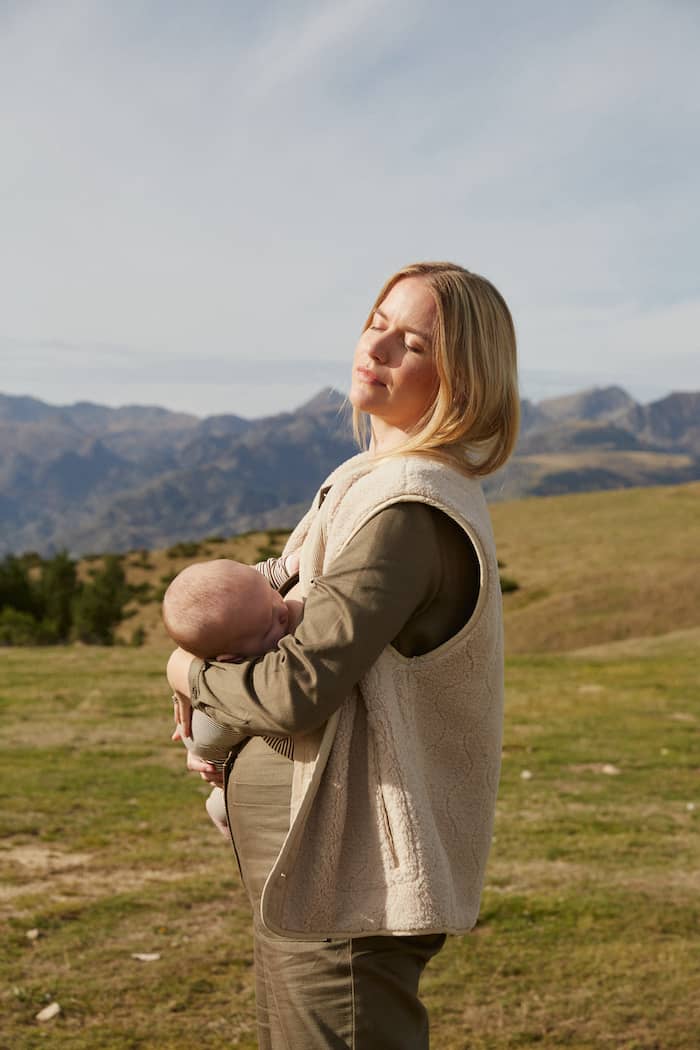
{"x":393,"y":799}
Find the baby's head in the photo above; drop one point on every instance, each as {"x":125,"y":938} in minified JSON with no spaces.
{"x":221,"y":609}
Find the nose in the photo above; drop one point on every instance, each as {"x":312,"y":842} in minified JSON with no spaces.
{"x":379,"y":347}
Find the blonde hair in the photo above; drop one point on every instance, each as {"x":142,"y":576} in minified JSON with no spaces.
{"x":474,"y":418}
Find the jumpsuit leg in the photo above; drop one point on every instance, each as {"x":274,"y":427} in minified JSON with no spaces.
{"x":355,"y":994}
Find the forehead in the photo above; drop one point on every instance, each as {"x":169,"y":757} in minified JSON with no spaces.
{"x":411,"y":302}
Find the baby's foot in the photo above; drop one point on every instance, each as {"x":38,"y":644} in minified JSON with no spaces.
{"x":216,"y":808}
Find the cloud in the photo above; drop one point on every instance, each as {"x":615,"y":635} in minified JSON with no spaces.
{"x":177,"y":179}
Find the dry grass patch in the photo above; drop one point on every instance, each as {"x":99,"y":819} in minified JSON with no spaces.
{"x":600,"y":566}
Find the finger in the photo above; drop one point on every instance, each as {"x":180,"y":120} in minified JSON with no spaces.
{"x":182,"y":712}
{"x":195,"y":764}
{"x":216,"y":778}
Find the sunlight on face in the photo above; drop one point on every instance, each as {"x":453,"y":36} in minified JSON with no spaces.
{"x":394,"y":377}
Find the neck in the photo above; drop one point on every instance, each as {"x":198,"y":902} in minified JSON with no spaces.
{"x":385,"y":437}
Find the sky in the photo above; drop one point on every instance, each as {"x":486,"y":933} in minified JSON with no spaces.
{"x":199,"y":202}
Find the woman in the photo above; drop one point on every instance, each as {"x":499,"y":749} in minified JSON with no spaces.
{"x":365,"y":850}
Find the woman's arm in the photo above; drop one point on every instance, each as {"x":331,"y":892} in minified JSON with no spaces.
{"x":409,"y":575}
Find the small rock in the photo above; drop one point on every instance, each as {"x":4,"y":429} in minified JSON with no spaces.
{"x":526,"y":775}
{"x":32,"y":935}
{"x":664,"y":751}
{"x":49,"y":1012}
{"x":610,"y":770}
{"x":146,"y":956}
{"x":690,"y":806}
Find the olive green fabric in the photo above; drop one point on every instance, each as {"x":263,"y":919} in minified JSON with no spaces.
{"x":410,"y":578}
{"x":359,"y":993}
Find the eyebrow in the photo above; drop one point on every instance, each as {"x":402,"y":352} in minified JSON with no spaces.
{"x":414,"y":331}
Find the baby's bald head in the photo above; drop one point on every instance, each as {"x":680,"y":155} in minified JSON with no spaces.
{"x":223,"y":608}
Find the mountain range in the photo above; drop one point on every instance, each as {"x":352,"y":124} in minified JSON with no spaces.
{"x":86,"y":477}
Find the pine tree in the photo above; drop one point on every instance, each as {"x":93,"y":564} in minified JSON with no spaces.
{"x":99,"y":605}
{"x":58,"y":588}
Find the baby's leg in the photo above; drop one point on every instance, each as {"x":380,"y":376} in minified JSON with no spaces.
{"x":216,"y":808}
{"x":213,"y":743}
{"x":209,"y":740}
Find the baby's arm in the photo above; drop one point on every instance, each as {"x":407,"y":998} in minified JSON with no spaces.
{"x":278,"y":570}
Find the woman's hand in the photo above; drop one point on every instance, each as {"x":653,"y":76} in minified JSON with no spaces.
{"x":178,"y":679}
{"x":182,"y":713}
{"x":206,"y":770}
{"x":178,"y":671}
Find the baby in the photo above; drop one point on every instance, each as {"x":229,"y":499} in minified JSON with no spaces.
{"x":223,"y":610}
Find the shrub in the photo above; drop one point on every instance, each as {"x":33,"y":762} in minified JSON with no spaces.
{"x":186,"y":549}
{"x":141,"y":560}
{"x":16,"y":588}
{"x":138,"y":636}
{"x":19,"y":628}
{"x":508,"y":584}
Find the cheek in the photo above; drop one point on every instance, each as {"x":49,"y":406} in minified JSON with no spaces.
{"x":423,"y":382}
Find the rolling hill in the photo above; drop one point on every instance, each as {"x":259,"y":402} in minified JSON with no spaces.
{"x":591,"y":568}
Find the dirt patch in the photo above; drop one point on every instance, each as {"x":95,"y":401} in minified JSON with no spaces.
{"x":42,"y":860}
{"x":35,"y":870}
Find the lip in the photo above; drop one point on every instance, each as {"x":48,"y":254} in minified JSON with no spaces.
{"x":367,"y":376}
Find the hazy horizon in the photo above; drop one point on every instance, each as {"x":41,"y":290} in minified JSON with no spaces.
{"x":534,"y":388}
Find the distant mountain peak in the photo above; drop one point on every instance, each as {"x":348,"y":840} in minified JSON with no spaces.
{"x":88,"y":477}
{"x":329,"y":397}
{"x":596,"y":403}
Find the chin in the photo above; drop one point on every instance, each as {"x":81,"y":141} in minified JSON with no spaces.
{"x":362,"y":399}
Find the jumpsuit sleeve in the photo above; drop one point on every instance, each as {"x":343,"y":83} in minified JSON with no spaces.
{"x":389,"y":571}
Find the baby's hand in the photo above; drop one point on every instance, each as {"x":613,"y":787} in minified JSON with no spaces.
{"x":291,"y":563}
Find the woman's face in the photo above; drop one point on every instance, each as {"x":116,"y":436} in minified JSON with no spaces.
{"x":394,"y":378}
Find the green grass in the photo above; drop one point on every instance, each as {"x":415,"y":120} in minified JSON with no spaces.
{"x":588,"y":935}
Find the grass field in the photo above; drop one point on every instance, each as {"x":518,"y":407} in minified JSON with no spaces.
{"x":589,"y":935}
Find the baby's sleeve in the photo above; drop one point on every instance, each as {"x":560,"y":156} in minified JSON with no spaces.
{"x":274,"y":571}
{"x":211,"y":741}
